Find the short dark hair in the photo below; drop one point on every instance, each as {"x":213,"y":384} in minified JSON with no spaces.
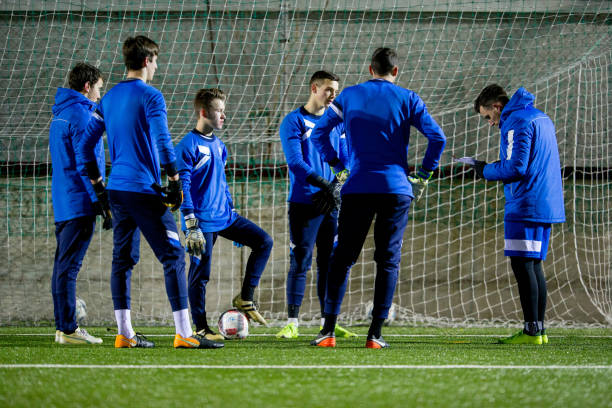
{"x":383,"y":60}
{"x":320,"y":75}
{"x":81,"y":74}
{"x":204,"y":98}
{"x":489,"y":95}
{"x":136,"y":49}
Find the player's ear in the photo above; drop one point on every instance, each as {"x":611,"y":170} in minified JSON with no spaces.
{"x":371,"y":70}
{"x":394,"y":71}
{"x":86,"y":87}
{"x":202,"y":112}
{"x":313,"y":87}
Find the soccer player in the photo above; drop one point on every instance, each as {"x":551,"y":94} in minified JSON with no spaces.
{"x":530,"y":169}
{"x":133,"y":114}
{"x":208,"y":212}
{"x":377,"y":116}
{"x":75,"y":204}
{"x":309,"y":175}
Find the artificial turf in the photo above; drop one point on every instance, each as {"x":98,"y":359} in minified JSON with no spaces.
{"x":425,"y":367}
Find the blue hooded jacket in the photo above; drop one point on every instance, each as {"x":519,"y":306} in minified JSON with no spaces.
{"x":529,"y":163}
{"x":71,"y":190}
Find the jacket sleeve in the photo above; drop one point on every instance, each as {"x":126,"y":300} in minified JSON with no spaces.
{"x":291,"y":140}
{"x":86,"y":146}
{"x":343,"y":146}
{"x":422,"y":120}
{"x":77,"y":135}
{"x":332,"y":117}
{"x":227,"y":192}
{"x":155,"y":110}
{"x":513,"y":164}
{"x":184,"y":165}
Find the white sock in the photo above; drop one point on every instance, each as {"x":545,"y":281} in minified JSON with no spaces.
{"x":293,"y":320}
{"x":124,"y":323}
{"x":182,"y":323}
{"x":322,"y":321}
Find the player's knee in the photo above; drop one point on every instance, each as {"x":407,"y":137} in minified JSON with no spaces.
{"x":266,"y":243}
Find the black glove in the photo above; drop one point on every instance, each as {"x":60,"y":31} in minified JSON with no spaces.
{"x":172,"y":194}
{"x":478,"y":167}
{"x":102,"y":206}
{"x":327,"y":198}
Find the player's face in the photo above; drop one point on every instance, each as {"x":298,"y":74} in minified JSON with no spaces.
{"x":326,"y":92}
{"x":215,"y":114}
{"x":151,"y":67}
{"x":94,"y":91}
{"x":491,"y":114}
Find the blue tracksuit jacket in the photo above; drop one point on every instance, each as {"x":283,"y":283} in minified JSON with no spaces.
{"x":201,"y":165}
{"x":302,"y":158}
{"x":71,"y":190}
{"x":377,"y":116}
{"x":529,"y":163}
{"x":134,"y":117}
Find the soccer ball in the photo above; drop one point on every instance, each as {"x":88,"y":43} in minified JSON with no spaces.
{"x":233,"y":325}
{"x":80,"y":311}
{"x":390,"y":318}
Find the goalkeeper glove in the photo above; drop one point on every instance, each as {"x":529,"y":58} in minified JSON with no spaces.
{"x":171,"y":195}
{"x":102,"y":206}
{"x":194,"y":238}
{"x":478,"y":167}
{"x":238,"y":244}
{"x":327,"y":198}
{"x":419,"y":182}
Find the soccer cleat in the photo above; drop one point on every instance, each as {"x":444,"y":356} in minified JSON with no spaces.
{"x":521,"y":337}
{"x":249,"y":308}
{"x":80,"y":336}
{"x":195,"y":341}
{"x":208,"y":334}
{"x":324,"y":340}
{"x":58,"y":333}
{"x":376,"y":343}
{"x":342,"y":332}
{"x":544,"y":337}
{"x":290,"y":331}
{"x":138,"y":341}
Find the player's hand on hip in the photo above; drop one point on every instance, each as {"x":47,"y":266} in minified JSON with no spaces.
{"x":194,"y":238}
{"x":419,"y":181}
{"x":172,"y":194}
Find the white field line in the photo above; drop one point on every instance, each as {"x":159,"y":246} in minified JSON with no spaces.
{"x":312,"y":367}
{"x":313,"y":334}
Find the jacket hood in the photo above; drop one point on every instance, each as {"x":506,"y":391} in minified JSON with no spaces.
{"x":65,"y":98}
{"x":521,"y":100}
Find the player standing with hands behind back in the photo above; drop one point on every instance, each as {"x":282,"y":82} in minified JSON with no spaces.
{"x":134,"y":117}
{"x":377,"y":116}
{"x":530,"y":169}
{"x":75,"y":204}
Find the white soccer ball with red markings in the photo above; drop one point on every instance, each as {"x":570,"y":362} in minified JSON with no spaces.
{"x":233,"y":325}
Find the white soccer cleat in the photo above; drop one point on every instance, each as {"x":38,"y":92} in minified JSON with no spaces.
{"x":57,"y":335}
{"x":80,"y":336}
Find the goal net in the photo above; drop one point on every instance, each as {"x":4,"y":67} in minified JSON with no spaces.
{"x":262,"y":54}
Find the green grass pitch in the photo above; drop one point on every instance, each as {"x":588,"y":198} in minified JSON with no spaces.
{"x":425,"y":367}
